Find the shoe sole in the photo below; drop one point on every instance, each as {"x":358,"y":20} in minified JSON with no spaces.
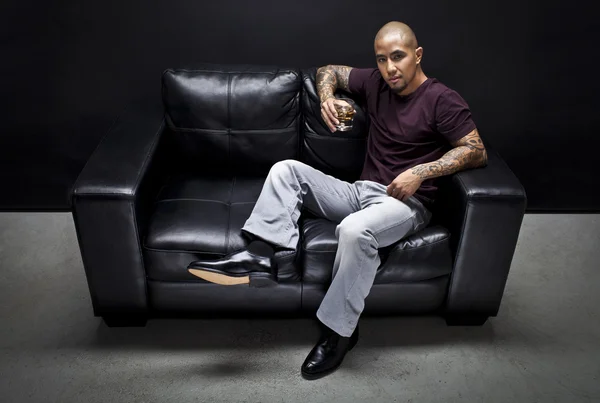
{"x":219,"y":278}
{"x":318,"y":375}
{"x":258,"y":280}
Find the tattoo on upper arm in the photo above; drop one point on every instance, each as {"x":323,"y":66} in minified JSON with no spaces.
{"x":342,"y":73}
{"x":330,"y":78}
{"x":471,"y":140}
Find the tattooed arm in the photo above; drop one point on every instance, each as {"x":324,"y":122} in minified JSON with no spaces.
{"x":330,"y":78}
{"x":468,"y":152}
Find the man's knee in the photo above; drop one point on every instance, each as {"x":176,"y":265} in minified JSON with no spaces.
{"x":286,"y":167}
{"x":352,"y":230}
{"x":283,"y":165}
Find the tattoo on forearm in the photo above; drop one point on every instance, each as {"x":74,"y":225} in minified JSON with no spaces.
{"x":453,"y":161}
{"x":330,"y":78}
{"x":469,"y":152}
{"x":326,"y":83}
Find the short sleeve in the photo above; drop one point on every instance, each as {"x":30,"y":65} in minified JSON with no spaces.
{"x":452,"y":116}
{"x":359,"y":80}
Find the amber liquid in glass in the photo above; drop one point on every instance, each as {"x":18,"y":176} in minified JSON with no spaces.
{"x":345,"y":115}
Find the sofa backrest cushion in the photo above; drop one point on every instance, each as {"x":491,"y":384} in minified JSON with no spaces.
{"x":239,"y":119}
{"x":340,"y":154}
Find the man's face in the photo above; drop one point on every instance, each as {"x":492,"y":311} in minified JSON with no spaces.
{"x":396,"y":61}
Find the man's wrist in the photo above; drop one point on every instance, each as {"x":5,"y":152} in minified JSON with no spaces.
{"x":422,"y":172}
{"x":325,"y":95}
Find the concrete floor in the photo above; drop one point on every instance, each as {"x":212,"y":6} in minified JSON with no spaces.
{"x":543,"y":347}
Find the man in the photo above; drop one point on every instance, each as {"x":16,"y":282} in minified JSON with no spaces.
{"x":420,"y":130}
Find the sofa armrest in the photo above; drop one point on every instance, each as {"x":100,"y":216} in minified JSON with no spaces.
{"x":483,"y":209}
{"x":110,"y":204}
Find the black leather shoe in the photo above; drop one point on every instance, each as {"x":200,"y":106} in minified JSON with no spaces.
{"x":241,"y":267}
{"x":328,"y":354}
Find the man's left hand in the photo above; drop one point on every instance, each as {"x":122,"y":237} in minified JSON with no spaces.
{"x":404,"y":186}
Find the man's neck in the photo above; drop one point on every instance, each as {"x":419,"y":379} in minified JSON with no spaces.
{"x":419,"y":79}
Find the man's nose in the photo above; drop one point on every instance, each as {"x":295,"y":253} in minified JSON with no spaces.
{"x":391,"y":68}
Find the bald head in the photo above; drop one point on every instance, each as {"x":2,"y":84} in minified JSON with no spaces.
{"x":398,"y":30}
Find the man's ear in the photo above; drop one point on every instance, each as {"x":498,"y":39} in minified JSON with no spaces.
{"x":419,"y":54}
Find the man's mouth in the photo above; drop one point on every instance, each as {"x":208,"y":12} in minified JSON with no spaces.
{"x":394,"y":80}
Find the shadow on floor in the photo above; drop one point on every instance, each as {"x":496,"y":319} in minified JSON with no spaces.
{"x":201,"y":334}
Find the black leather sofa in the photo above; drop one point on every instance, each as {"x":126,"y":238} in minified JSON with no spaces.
{"x":175,"y":178}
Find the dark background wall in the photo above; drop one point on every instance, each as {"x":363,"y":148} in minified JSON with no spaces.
{"x":68,"y":68}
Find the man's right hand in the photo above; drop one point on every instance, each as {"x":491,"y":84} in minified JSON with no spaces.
{"x":329,"y":114}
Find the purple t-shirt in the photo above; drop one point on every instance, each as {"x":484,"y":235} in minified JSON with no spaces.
{"x":408,"y":130}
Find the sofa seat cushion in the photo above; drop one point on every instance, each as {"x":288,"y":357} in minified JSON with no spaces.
{"x":201,"y":218}
{"x":421,"y":256}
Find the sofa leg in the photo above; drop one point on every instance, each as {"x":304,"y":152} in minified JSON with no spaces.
{"x":466,"y":320}
{"x":125,"y":321}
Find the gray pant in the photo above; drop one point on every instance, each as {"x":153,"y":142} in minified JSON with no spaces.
{"x":368,"y":219}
